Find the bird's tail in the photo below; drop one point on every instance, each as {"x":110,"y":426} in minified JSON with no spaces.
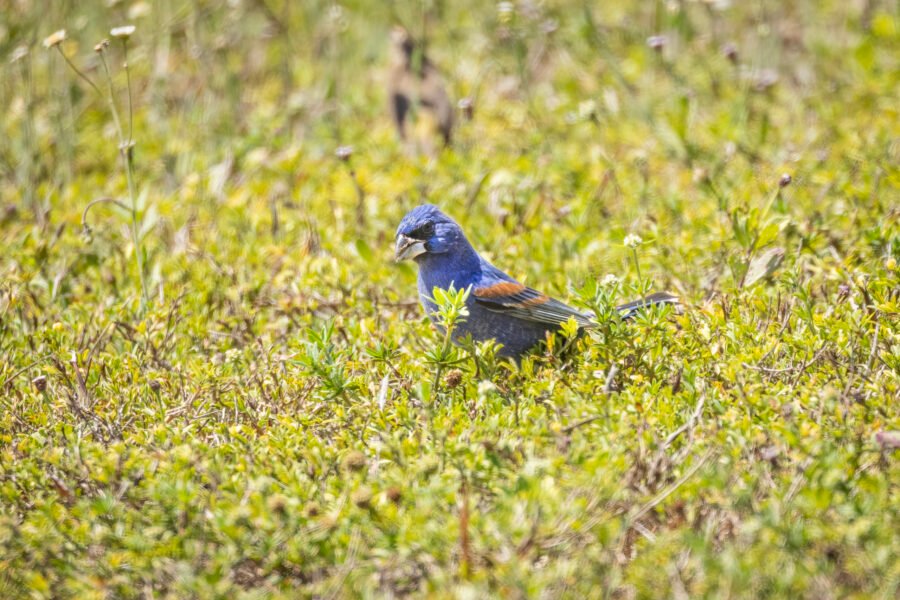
{"x":632,"y":308}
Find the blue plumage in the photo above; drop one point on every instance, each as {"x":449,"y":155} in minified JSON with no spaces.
{"x":500,"y":307}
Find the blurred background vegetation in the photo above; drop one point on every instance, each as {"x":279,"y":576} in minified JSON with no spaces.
{"x":215,"y":383}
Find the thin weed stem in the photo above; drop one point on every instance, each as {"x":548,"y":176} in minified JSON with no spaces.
{"x":128,"y":84}
{"x":637,"y":267}
{"x":111,"y":98}
{"x":28,"y":134}
{"x":126,"y":150}
{"x":78,"y":71}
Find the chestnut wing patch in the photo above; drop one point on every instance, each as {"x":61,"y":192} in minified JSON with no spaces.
{"x":516,"y":300}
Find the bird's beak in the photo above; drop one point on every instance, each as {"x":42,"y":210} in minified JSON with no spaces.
{"x":408,"y":248}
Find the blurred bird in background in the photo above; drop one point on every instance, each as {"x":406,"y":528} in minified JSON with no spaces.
{"x":500,"y":307}
{"x":416,"y":94}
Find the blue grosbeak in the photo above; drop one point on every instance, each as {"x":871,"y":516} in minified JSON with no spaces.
{"x":500,"y":307}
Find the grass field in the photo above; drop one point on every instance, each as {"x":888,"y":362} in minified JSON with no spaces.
{"x":215,"y":381}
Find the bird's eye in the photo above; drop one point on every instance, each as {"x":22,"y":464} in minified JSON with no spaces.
{"x":423,"y":232}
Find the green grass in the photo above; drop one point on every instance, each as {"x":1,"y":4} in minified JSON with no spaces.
{"x":277,"y":419}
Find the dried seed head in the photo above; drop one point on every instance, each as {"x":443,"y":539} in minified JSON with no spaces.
{"x":8,"y":213}
{"x":123,"y":33}
{"x":453,"y":378}
{"x":277,"y":503}
{"x":154,"y":385}
{"x":731,"y":52}
{"x":355,"y":461}
{"x":700,"y":175}
{"x":344,"y":152}
{"x":765,"y":79}
{"x":55,"y":39}
{"x":657,"y":42}
{"x":467,"y":106}
{"x":587,"y":110}
{"x":101,"y":45}
{"x":39,"y":383}
{"x":769,"y":453}
{"x":784,"y":181}
{"x":362,"y":497}
{"x":394,"y":495}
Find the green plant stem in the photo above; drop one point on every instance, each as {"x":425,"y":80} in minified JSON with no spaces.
{"x":125,"y":149}
{"x":445,"y":348}
{"x":128,"y":84}
{"x":111,"y":99}
{"x":29,"y":137}
{"x":87,"y":208}
{"x":78,"y":72}
{"x":637,"y":266}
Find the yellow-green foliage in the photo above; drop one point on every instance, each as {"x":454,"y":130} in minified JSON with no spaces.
{"x":276,"y":418}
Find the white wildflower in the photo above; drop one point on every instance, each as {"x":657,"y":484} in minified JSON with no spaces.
{"x":123,"y":32}
{"x":632,"y":241}
{"x":485,"y":387}
{"x":55,"y":39}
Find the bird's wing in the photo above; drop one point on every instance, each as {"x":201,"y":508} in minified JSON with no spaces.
{"x":515,"y":299}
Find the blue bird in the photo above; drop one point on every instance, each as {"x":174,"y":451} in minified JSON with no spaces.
{"x":500,"y":308}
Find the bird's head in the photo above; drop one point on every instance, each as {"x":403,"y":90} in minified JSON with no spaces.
{"x":424,"y":231}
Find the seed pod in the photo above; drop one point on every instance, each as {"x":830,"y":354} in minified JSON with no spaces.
{"x":355,"y":461}
{"x":453,"y":378}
